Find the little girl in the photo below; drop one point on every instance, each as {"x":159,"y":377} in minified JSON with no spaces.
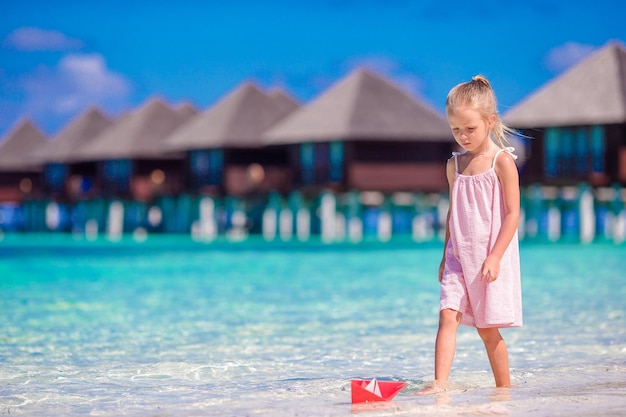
{"x":479,"y":272}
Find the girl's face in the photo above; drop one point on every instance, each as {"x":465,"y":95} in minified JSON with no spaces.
{"x":469,"y":128}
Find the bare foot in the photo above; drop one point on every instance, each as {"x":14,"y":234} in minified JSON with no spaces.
{"x":501,"y":394}
{"x":436,"y":387}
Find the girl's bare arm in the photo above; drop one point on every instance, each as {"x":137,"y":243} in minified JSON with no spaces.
{"x":451,"y":175}
{"x":509,"y":180}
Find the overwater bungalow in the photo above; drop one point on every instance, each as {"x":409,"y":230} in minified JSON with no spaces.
{"x":363,"y":160}
{"x":365,"y":133}
{"x":225,"y":151}
{"x":132,"y":160}
{"x":65,"y":176}
{"x":577,"y":123}
{"x":19,"y":173}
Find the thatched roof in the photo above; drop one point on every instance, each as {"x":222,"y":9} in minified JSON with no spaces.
{"x":186,"y":110}
{"x":284,"y":100}
{"x":136,"y":135}
{"x":235,"y":121}
{"x":16,"y":146}
{"x":362,"y":106}
{"x":81,"y":130}
{"x":592,"y":92}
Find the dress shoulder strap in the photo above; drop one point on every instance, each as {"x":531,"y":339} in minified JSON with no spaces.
{"x":456,"y":162}
{"x":508,"y":149}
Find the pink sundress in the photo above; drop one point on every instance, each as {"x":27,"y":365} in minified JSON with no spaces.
{"x":475,"y":220}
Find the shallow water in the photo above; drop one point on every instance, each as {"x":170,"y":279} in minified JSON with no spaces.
{"x":169,"y":327}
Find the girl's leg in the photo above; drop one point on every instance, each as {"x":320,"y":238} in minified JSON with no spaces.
{"x":498,"y":355}
{"x":445,"y":345}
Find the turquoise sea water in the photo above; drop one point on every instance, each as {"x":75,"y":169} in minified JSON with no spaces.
{"x":169,"y":327}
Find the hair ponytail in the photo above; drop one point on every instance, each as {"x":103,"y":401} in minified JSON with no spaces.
{"x":481,"y":79}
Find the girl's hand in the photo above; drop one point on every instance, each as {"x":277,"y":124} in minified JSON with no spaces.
{"x":491,"y":269}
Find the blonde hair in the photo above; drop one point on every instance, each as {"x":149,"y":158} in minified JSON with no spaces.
{"x":478,"y":95}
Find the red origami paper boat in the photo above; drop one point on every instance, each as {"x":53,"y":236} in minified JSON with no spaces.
{"x":364,"y":391}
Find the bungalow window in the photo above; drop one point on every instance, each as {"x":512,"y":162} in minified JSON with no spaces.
{"x":116,"y":175}
{"x":597,"y":148}
{"x":55,"y":176}
{"x":321,"y":162}
{"x":574,"y":151}
{"x":307,"y":163}
{"x":336,"y":161}
{"x":206,"y":167}
{"x":551,"y":152}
